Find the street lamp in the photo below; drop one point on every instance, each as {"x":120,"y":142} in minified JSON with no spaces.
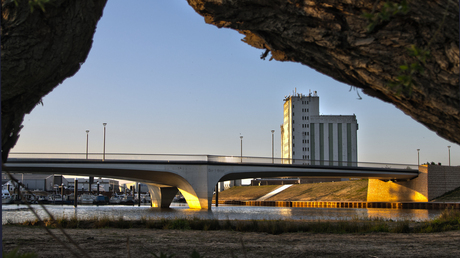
{"x":87,"y":133}
{"x":241,"y":137}
{"x":448,"y":148}
{"x":273,"y":146}
{"x":103,"y":153}
{"x":418,"y":156}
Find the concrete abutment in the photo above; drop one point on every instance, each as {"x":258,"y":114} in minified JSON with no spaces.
{"x":432,"y":182}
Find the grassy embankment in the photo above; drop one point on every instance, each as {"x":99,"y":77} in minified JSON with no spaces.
{"x":452,"y":196}
{"x":329,"y":191}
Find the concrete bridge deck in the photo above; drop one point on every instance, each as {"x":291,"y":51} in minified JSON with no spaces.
{"x":197,"y":175}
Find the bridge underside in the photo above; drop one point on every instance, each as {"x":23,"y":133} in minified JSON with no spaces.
{"x":196,"y":181}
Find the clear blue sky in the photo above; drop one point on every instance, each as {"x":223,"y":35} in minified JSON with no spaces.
{"x":166,"y":82}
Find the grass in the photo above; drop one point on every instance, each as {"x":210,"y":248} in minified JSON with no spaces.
{"x":448,"y":220}
{"x":328,"y":191}
{"x":246,"y":193}
{"x":16,"y":254}
{"x":451,"y":196}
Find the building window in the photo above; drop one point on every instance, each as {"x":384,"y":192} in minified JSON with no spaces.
{"x":308,"y":126}
{"x":307,"y":110}
{"x":307,"y":117}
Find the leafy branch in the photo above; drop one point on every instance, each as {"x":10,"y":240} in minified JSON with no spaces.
{"x":405,"y":79}
{"x":33,"y":4}
{"x":388,"y":10}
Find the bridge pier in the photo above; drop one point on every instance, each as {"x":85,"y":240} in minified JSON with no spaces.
{"x":161,"y":196}
{"x":202,"y":180}
{"x":432,"y":182}
{"x":196,"y":184}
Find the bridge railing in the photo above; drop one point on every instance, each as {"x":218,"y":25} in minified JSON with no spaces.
{"x":109,"y":156}
{"x":207,"y":158}
{"x":296,"y":162}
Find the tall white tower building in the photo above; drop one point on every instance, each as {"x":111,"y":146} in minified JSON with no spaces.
{"x":310,"y":138}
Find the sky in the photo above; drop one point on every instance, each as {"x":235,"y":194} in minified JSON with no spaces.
{"x":165,"y":82}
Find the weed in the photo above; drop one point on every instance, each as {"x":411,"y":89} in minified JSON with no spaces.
{"x":103,"y":222}
{"x":195,"y":254}
{"x":14,"y":254}
{"x":401,"y":227}
{"x":163,"y":255}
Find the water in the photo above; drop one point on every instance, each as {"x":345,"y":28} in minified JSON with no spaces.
{"x":20,"y":213}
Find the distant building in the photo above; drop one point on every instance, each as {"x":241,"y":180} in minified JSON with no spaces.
{"x":41,"y":182}
{"x":313,"y":139}
{"x":105,"y":185}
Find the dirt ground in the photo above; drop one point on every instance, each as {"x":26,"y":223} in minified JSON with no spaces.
{"x":109,"y":242}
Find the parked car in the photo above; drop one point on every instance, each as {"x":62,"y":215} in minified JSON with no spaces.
{"x":100,"y":199}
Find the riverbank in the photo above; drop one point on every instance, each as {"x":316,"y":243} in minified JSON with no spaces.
{"x":328,"y":191}
{"x":342,"y":191}
{"x":143,"y":242}
{"x":104,"y":237}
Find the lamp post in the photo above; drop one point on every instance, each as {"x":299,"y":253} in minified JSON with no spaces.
{"x":241,"y":137}
{"x":273,"y":146}
{"x":87,"y":133}
{"x":103,"y":152}
{"x":448,"y":148}
{"x":418,"y":157}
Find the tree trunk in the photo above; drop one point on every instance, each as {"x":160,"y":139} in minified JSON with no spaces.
{"x":330,"y":36}
{"x":40,"y":49}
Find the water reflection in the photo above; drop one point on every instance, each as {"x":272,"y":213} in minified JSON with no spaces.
{"x":418,"y":214}
{"x":20,"y":213}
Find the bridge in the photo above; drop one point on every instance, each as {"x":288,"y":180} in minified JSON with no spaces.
{"x":196,"y":176}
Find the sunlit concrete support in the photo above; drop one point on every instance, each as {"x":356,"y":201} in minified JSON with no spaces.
{"x":162,"y":196}
{"x":432,"y":182}
{"x":202,"y":180}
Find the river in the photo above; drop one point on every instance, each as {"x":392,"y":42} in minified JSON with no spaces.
{"x":20,"y":213}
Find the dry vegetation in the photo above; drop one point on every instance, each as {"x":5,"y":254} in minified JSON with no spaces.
{"x":246,"y":193}
{"x":452,"y":196}
{"x":212,"y":238}
{"x":329,"y":191}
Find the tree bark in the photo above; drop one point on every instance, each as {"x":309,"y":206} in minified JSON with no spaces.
{"x":40,"y":49}
{"x":330,"y":36}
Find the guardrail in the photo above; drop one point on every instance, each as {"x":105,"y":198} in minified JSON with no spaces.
{"x":207,"y":158}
